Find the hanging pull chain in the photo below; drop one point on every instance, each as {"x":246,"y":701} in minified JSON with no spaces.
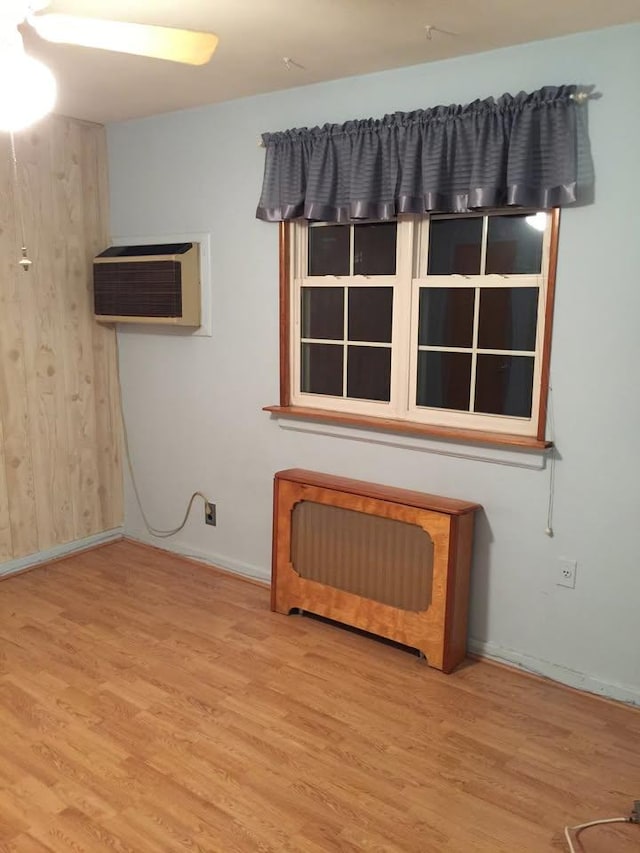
{"x":24,"y":261}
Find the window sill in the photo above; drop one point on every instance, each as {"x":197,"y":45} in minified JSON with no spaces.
{"x":495,"y":439}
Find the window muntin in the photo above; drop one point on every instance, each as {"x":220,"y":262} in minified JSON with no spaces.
{"x":374,"y":248}
{"x":514,"y":246}
{"x":446,"y":316}
{"x":329,"y":250}
{"x":353,"y":308}
{"x":358,"y":322}
{"x":323,"y":313}
{"x":490,"y":330}
{"x":370,"y":314}
{"x":456,"y":246}
{"x":476,"y":351}
{"x":508,"y":318}
{"x":322,"y":369}
{"x":440,"y":340}
{"x":444,"y":379}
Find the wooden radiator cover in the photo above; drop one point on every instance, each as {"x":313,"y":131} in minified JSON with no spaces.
{"x":389,"y":561}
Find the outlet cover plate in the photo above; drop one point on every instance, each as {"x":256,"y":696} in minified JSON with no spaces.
{"x":210,"y":515}
{"x":566,"y":572}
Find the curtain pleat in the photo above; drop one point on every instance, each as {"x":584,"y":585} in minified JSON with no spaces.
{"x":527,"y":150}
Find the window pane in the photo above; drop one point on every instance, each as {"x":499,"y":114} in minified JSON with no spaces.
{"x":321,"y":369}
{"x":514,"y":246}
{"x":444,"y":380}
{"x":374,"y":249}
{"x":504,"y":385}
{"x":369,"y":373}
{"x":323,"y":313}
{"x":508,"y":318}
{"x":446,"y":316}
{"x":455,"y":246}
{"x":370,"y":314}
{"x":329,"y":250}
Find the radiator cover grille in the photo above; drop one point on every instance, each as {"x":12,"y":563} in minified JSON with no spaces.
{"x":378,"y":558}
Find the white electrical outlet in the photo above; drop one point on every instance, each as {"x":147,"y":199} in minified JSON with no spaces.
{"x":566,"y":573}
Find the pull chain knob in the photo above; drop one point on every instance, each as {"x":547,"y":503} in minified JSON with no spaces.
{"x":24,"y":261}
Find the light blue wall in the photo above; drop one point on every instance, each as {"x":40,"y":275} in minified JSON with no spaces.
{"x":194,"y":404}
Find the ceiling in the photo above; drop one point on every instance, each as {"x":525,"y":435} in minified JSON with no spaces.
{"x":329,"y":38}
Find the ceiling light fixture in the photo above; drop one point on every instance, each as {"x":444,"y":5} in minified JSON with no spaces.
{"x":27,"y":87}
{"x":193,"y":48}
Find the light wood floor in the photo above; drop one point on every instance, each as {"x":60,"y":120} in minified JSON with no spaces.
{"x":148,"y":704}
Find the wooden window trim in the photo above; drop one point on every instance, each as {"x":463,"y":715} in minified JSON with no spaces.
{"x":285,"y":409}
{"x":285,"y":312}
{"x":548,"y":324}
{"x":470,"y":436}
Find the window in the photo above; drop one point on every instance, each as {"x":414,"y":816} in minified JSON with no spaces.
{"x":441,"y":322}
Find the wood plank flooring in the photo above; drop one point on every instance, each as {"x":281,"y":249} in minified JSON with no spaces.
{"x":150,"y":705}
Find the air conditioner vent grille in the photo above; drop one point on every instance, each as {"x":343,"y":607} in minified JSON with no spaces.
{"x":152,"y":289}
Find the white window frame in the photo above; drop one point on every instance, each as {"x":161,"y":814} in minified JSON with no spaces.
{"x":411,"y":275}
{"x":374,"y":408}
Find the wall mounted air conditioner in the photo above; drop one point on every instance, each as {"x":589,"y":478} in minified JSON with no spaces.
{"x":148,"y":284}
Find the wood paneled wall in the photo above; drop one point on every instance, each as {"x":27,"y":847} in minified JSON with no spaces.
{"x":60,"y":466}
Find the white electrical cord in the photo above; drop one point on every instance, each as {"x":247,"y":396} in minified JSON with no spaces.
{"x":154,"y":531}
{"x":581,"y":826}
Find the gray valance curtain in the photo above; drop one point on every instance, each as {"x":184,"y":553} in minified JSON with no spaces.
{"x":527,"y":150}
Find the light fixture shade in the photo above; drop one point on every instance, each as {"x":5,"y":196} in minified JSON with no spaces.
{"x":176,"y":45}
{"x":27,"y":91}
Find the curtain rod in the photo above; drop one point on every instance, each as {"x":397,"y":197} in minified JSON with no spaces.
{"x":578,"y":97}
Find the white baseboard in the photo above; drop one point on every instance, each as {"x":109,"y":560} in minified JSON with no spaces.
{"x":554,"y":672}
{"x":580,"y":680}
{"x":31,"y":560}
{"x":219,"y":561}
